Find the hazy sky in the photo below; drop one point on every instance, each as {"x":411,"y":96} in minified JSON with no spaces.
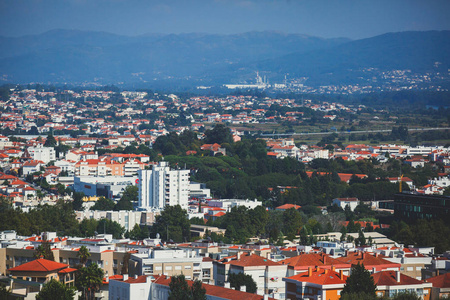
{"x":325,"y":18}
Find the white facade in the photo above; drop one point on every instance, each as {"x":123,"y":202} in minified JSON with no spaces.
{"x":114,"y":185}
{"x":227,"y":204}
{"x":45,"y":154}
{"x":343,"y":202}
{"x":130,"y":289}
{"x":66,"y":166}
{"x":162,"y":186}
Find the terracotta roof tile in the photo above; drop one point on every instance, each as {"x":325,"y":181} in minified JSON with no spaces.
{"x":253,"y":260}
{"x":320,"y":276}
{"x":39,"y":265}
{"x":390,"y":278}
{"x":441,"y":281}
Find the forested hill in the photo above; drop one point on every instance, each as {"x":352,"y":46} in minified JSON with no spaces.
{"x":416,"y":51}
{"x":67,"y":56}
{"x":82,"y":56}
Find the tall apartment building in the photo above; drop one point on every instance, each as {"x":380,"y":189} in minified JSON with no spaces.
{"x":162,"y":186}
{"x":45,"y":154}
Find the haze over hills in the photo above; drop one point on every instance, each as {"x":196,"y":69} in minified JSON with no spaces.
{"x":69,"y":56}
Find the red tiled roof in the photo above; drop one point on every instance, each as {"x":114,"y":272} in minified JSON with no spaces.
{"x":217,"y":291}
{"x":288,"y":206}
{"x":367,"y":259}
{"x":320,"y":276}
{"x":304,"y":261}
{"x":39,"y":265}
{"x":441,"y":281}
{"x":390,"y":278}
{"x":67,"y":270}
{"x":253,"y":260}
{"x":139,"y":279}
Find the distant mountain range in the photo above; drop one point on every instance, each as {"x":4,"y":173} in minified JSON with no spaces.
{"x":70,"y":56}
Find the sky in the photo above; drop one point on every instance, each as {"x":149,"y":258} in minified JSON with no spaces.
{"x":353,"y":19}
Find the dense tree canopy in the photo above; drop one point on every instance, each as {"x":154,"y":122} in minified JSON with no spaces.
{"x":180,"y":290}
{"x":55,"y":290}
{"x":237,"y":280}
{"x":359,"y":281}
{"x":172,"y":224}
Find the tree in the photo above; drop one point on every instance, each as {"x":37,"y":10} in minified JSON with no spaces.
{"x":343,"y":233}
{"x":103,"y":204}
{"x":219,"y":134}
{"x":360,"y":281}
{"x":77,"y":203}
{"x":198,"y":291}
{"x":50,"y":141}
{"x":5,"y":293}
{"x":406,"y":296}
{"x":55,"y":290}
{"x":292,"y":221}
{"x":88,"y":280}
{"x":44,"y":251}
{"x":361,"y":239}
{"x":236,"y":280}
{"x":172,"y":224}
{"x":180,"y":290}
{"x":83,"y":254}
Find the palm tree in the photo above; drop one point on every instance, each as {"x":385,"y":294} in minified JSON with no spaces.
{"x":83,"y":254}
{"x":89,"y":280}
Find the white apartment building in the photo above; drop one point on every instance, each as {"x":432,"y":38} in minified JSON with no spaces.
{"x":172,"y":262}
{"x":45,"y":154}
{"x":162,"y":186}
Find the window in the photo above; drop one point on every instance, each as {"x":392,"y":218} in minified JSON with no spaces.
{"x":410,"y":269}
{"x":177,"y":267}
{"x":168,"y":268}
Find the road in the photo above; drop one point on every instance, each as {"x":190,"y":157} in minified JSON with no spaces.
{"x":349,"y":132}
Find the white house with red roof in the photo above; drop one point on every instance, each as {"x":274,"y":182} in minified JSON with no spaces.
{"x":267,"y":274}
{"x":32,"y":166}
{"x":390,"y":283}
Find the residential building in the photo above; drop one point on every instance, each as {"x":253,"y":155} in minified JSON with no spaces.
{"x":441,"y":286}
{"x":163,"y":186}
{"x":352,"y":203}
{"x":266,"y":273}
{"x":157,"y":288}
{"x":171,"y":262}
{"x":316,"y":283}
{"x":43,"y":270}
{"x":301,"y":263}
{"x":390,"y":283}
{"x":373,"y":263}
{"x":45,"y":154}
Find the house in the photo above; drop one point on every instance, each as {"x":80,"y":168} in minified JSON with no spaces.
{"x":316,"y":283}
{"x":43,"y":270}
{"x":373,"y":263}
{"x":160,"y":291}
{"x":441,"y":286}
{"x":301,"y":263}
{"x":214,"y":148}
{"x":266,"y":273}
{"x":352,"y":203}
{"x":389,"y":283}
{"x":32,"y":166}
{"x":287,"y":206}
